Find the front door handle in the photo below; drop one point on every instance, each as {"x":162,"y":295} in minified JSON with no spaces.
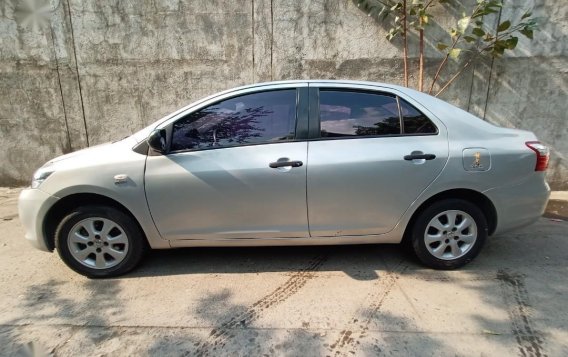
{"x":278,"y":164}
{"x":419,"y":157}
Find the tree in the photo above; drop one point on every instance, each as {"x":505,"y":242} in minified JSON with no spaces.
{"x":472,"y":34}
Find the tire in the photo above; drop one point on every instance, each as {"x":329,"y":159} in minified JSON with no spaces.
{"x":440,"y":244}
{"x":100,"y":241}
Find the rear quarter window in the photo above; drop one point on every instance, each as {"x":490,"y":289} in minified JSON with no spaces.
{"x":414,"y":121}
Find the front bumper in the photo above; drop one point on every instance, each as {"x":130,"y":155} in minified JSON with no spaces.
{"x":33,"y":205}
{"x":520,"y":204}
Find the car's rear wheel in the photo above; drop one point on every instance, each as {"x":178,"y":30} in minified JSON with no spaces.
{"x":449,"y":233}
{"x":99,"y":241}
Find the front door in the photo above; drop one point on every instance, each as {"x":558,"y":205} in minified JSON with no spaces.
{"x":234,"y":171}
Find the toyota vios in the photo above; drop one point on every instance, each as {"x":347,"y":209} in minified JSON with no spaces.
{"x":291,"y":163}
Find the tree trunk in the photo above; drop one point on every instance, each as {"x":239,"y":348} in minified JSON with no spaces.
{"x":421,"y":69}
{"x":405,"y":39}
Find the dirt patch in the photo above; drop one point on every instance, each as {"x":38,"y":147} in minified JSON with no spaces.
{"x":557,"y":209}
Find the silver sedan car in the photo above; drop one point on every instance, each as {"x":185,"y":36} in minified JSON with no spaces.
{"x":291,"y":163}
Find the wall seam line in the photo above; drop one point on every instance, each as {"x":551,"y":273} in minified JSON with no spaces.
{"x":471,"y":87}
{"x":60,"y":89}
{"x":271,"y":39}
{"x":253,"y":67}
{"x":491,"y":67}
{"x":78,"y":75}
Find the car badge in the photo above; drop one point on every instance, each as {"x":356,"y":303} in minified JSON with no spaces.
{"x":477,"y":161}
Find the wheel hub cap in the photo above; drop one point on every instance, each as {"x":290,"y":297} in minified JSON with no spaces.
{"x":98,"y":243}
{"x":450,"y":234}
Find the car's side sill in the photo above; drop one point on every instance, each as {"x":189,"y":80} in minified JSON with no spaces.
{"x":258,"y":242}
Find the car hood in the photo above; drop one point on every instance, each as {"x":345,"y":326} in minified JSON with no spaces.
{"x":92,"y":154}
{"x":78,"y":153}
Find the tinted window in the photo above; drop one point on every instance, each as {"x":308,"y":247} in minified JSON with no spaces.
{"x":248,"y":119}
{"x":414,"y":121}
{"x":357,"y":114}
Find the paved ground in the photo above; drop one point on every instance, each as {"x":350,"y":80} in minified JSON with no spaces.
{"x":350,"y":300}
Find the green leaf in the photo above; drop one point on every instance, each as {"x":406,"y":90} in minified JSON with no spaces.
{"x":454,"y":53}
{"x":453,"y":32}
{"x":463,"y":23}
{"x":469,"y":39}
{"x":511,"y":43}
{"x":528,"y":33}
{"x":496,"y":4}
{"x":478,"y":31}
{"x":392,"y":33}
{"x":527,"y":14}
{"x":499,"y":48}
{"x":504,"y":26}
{"x":441,"y":46}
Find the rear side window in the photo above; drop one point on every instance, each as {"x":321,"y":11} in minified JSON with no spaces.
{"x":414,"y":121}
{"x":348,"y":114}
{"x":249,"y":119}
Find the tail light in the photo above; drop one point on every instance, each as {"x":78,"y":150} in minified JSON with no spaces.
{"x":542,"y":154}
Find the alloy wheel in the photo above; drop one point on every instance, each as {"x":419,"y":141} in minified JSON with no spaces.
{"x":450,"y":234}
{"x":98,"y":243}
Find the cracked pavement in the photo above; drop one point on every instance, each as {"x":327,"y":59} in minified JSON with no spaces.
{"x":297,"y":301}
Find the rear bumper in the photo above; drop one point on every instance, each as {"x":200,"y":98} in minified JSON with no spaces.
{"x":520,"y":204}
{"x":33,"y":205}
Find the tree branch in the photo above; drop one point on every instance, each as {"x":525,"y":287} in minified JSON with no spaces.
{"x":443,"y":64}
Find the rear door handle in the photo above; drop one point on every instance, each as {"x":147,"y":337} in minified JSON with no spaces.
{"x":278,"y":164}
{"x":419,"y":157}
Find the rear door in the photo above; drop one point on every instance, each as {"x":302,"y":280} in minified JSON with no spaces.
{"x":236,"y":169}
{"x":370,"y":156}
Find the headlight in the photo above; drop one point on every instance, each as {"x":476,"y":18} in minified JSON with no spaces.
{"x":41,"y":175}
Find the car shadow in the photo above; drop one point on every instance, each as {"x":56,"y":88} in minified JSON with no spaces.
{"x":361,"y":262}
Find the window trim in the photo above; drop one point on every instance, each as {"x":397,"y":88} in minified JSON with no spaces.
{"x":315,"y":120}
{"x":401,"y":120}
{"x":301,"y":93}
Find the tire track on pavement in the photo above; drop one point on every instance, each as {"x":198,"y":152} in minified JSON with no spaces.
{"x":529,"y":340}
{"x":355,"y":330}
{"x":219,"y":336}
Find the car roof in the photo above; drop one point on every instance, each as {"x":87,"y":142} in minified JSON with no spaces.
{"x":319,"y":81}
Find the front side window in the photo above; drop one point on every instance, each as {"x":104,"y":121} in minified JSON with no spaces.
{"x":345,"y":114}
{"x":248,"y":119}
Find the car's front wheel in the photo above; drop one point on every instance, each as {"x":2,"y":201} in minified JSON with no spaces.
{"x":99,"y":241}
{"x":449,"y":233}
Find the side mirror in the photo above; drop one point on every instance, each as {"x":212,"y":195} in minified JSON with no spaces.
{"x":157,"y":140}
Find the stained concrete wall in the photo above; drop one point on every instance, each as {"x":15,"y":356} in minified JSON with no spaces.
{"x":76,"y":73}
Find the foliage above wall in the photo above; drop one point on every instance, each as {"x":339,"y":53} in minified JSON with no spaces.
{"x":474,"y":34}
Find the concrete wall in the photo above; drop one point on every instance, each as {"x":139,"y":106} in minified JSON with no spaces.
{"x":75,"y":73}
